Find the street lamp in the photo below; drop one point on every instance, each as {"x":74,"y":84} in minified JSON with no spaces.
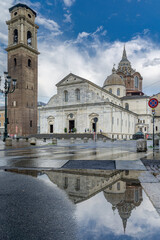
{"x":7,"y":89}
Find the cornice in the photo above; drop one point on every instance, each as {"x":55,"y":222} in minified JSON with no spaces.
{"x":21,"y":45}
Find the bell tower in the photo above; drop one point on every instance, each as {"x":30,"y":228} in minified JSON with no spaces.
{"x":23,"y":66}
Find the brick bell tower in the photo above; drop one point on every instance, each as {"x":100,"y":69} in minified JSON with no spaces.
{"x":23,"y":66}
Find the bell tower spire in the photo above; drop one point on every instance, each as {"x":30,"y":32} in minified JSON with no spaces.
{"x":124,"y":56}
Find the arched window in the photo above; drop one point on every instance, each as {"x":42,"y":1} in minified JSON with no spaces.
{"x":110,"y":90}
{"x":126,"y":106}
{"x":29,"y":62}
{"x":77,"y":94}
{"x":118,"y":91}
{"x":15,"y":36}
{"x":136,"y":82}
{"x":66,"y":96}
{"x":29,"y":38}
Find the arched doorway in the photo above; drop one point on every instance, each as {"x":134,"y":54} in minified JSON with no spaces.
{"x":93,"y":125}
{"x":71,"y":123}
{"x":50,"y":121}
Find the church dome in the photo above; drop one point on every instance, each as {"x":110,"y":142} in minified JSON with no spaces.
{"x":113,"y":79}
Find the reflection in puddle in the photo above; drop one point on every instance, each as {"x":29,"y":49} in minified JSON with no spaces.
{"x":109,"y":204}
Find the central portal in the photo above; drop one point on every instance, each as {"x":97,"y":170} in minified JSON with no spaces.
{"x":71,"y":125}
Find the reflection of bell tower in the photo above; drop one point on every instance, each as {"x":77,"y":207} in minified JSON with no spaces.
{"x":23,"y":66}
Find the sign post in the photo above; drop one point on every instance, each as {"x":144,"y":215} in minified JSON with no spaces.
{"x":153,"y":103}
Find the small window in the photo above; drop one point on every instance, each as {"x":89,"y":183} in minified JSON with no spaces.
{"x":136,"y":82}
{"x":14,"y":104}
{"x":29,"y":62}
{"x":31,"y":123}
{"x":110,"y":90}
{"x":29,"y":38}
{"x":77,"y":187}
{"x":65,"y":182}
{"x":126,"y":106}
{"x":29,"y":15}
{"x":77,"y":94}
{"x":156,"y":128}
{"x":118,"y":186}
{"x":136,"y":196}
{"x":15,"y":62}
{"x":66,"y":96}
{"x":15,"y":13}
{"x":118,"y":91}
{"x":15,"y":36}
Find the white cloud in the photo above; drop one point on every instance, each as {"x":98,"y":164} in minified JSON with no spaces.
{"x":67,"y":17}
{"x":49,"y":24}
{"x":68,"y":3}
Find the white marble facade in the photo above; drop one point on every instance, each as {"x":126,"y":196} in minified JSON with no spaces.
{"x":78,"y":101}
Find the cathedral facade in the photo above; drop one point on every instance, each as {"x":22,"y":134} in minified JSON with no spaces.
{"x":120,"y":106}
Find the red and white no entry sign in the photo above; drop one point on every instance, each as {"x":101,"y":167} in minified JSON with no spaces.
{"x":153,"y":102}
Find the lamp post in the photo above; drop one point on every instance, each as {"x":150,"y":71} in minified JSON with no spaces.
{"x":9,"y":87}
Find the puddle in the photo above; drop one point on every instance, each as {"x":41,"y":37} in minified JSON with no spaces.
{"x":109,"y":204}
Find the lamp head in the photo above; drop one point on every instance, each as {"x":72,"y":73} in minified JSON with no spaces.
{"x":9,"y":79}
{"x":5,"y":74}
{"x":14,"y":81}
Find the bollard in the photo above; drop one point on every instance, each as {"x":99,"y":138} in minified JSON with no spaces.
{"x":85,"y":140}
{"x":72,"y":140}
{"x":8,"y":142}
{"x":44,"y":139}
{"x":141,"y":145}
{"x":54,"y":140}
{"x":17,"y":139}
{"x":26,"y":139}
{"x":33,"y":141}
{"x":156,"y":142}
{"x":104,"y":139}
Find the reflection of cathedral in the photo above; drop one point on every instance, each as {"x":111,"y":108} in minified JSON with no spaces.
{"x":121,"y":188}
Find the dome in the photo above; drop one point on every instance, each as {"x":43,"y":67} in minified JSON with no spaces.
{"x":113,"y":79}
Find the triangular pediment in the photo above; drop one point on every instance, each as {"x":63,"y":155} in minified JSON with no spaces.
{"x":70,"y":79}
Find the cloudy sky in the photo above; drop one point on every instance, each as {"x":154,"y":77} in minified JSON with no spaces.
{"x":87,"y":38}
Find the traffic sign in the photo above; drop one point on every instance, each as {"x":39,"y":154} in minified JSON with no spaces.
{"x":153,"y":102}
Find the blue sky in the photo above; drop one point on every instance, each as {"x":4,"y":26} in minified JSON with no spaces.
{"x":86,"y":37}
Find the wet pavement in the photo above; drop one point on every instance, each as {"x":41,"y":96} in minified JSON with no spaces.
{"x":46,"y":155}
{"x":102,"y":190}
